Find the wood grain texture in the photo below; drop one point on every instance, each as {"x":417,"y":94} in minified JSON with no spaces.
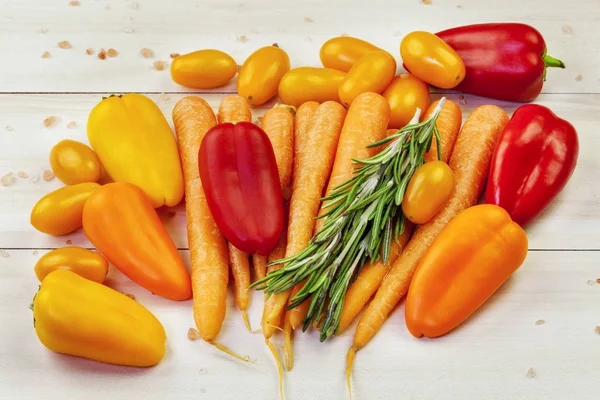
{"x":240,"y":27}
{"x":486,"y":359}
{"x":571,"y":222}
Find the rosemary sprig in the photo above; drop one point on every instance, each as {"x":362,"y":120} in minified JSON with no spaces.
{"x":363,"y":216}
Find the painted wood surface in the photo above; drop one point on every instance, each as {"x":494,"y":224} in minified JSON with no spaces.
{"x":535,"y":339}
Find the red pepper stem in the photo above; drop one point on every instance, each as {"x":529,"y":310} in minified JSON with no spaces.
{"x":552,"y":62}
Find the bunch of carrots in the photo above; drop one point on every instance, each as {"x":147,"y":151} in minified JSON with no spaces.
{"x":314,"y":147}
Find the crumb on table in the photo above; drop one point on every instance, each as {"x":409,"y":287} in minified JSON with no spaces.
{"x":193,"y":334}
{"x":49,"y":121}
{"x":48,"y":175}
{"x":146,"y":53}
{"x":531,"y":373}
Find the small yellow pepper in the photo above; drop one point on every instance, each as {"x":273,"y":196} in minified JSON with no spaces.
{"x":136,"y":145}
{"x":83,"y":262}
{"x":79,"y":317}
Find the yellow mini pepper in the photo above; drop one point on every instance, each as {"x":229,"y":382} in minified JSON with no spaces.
{"x":79,"y":317}
{"x":136,"y":145}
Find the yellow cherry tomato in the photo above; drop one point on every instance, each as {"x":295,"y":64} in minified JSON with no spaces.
{"x":83,"y":262}
{"x":73,"y":162}
{"x":60,"y":212}
{"x":428,"y":191}
{"x":343,"y":52}
{"x":405,"y":94}
{"x":259,"y":76}
{"x":372,"y":73}
{"x":203,"y":69}
{"x":432,"y":60}
{"x":303,"y":84}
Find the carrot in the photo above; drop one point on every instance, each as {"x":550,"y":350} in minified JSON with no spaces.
{"x":269,"y":328}
{"x":470,"y":162}
{"x":234,"y":109}
{"x":302,"y":124}
{"x":259,"y":265}
{"x":193,"y":117}
{"x":277,"y":254}
{"x":370,"y":277}
{"x":365,"y":123}
{"x":448,"y":124}
{"x":312,"y":165}
{"x":278,"y":124}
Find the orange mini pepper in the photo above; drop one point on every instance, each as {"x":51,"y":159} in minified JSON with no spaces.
{"x":121,"y":222}
{"x":470,"y":259}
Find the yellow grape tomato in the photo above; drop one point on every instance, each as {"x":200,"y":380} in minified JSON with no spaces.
{"x":428,"y":191}
{"x":73,"y":162}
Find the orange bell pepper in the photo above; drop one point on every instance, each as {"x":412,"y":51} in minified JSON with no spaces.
{"x":121,"y":222}
{"x":470,"y":259}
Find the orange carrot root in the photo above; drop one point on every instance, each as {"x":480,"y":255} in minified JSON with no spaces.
{"x":349,"y":366}
{"x":287,"y":345}
{"x":259,"y":264}
{"x":193,"y":117}
{"x":234,"y":109}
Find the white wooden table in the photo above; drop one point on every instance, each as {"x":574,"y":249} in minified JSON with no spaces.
{"x":488,"y":358}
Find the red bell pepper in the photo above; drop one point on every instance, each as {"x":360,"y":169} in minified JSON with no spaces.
{"x":534,"y":158}
{"x":239,"y":176}
{"x":505,"y":61}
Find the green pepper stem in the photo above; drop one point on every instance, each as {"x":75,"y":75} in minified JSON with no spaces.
{"x":552,"y":62}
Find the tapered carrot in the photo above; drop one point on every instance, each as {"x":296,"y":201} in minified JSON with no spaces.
{"x":470,"y":162}
{"x":312,"y":166}
{"x":365,"y":123}
{"x":448,"y":124}
{"x":236,"y":109}
{"x":278,"y":124}
{"x":193,"y":117}
{"x":369,"y":279}
{"x":302,"y":124}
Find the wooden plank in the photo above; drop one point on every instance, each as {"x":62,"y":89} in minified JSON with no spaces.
{"x":239,"y":28}
{"x":571,"y":222}
{"x":487,"y":358}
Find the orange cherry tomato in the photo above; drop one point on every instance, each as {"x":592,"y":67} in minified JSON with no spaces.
{"x":60,"y":212}
{"x":405,"y":94}
{"x":428,"y":191}
{"x":259,"y":76}
{"x":203,"y":69}
{"x":83,"y":262}
{"x":372,"y":73}
{"x":73,"y":162}
{"x":432,"y":60}
{"x":303,"y":84}
{"x":343,"y":52}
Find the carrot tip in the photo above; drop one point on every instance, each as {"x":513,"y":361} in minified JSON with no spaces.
{"x":275,"y":327}
{"x":247,"y":323}
{"x":349,"y":365}
{"x":275,"y":353}
{"x":287,"y":343}
{"x":230,"y":352}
